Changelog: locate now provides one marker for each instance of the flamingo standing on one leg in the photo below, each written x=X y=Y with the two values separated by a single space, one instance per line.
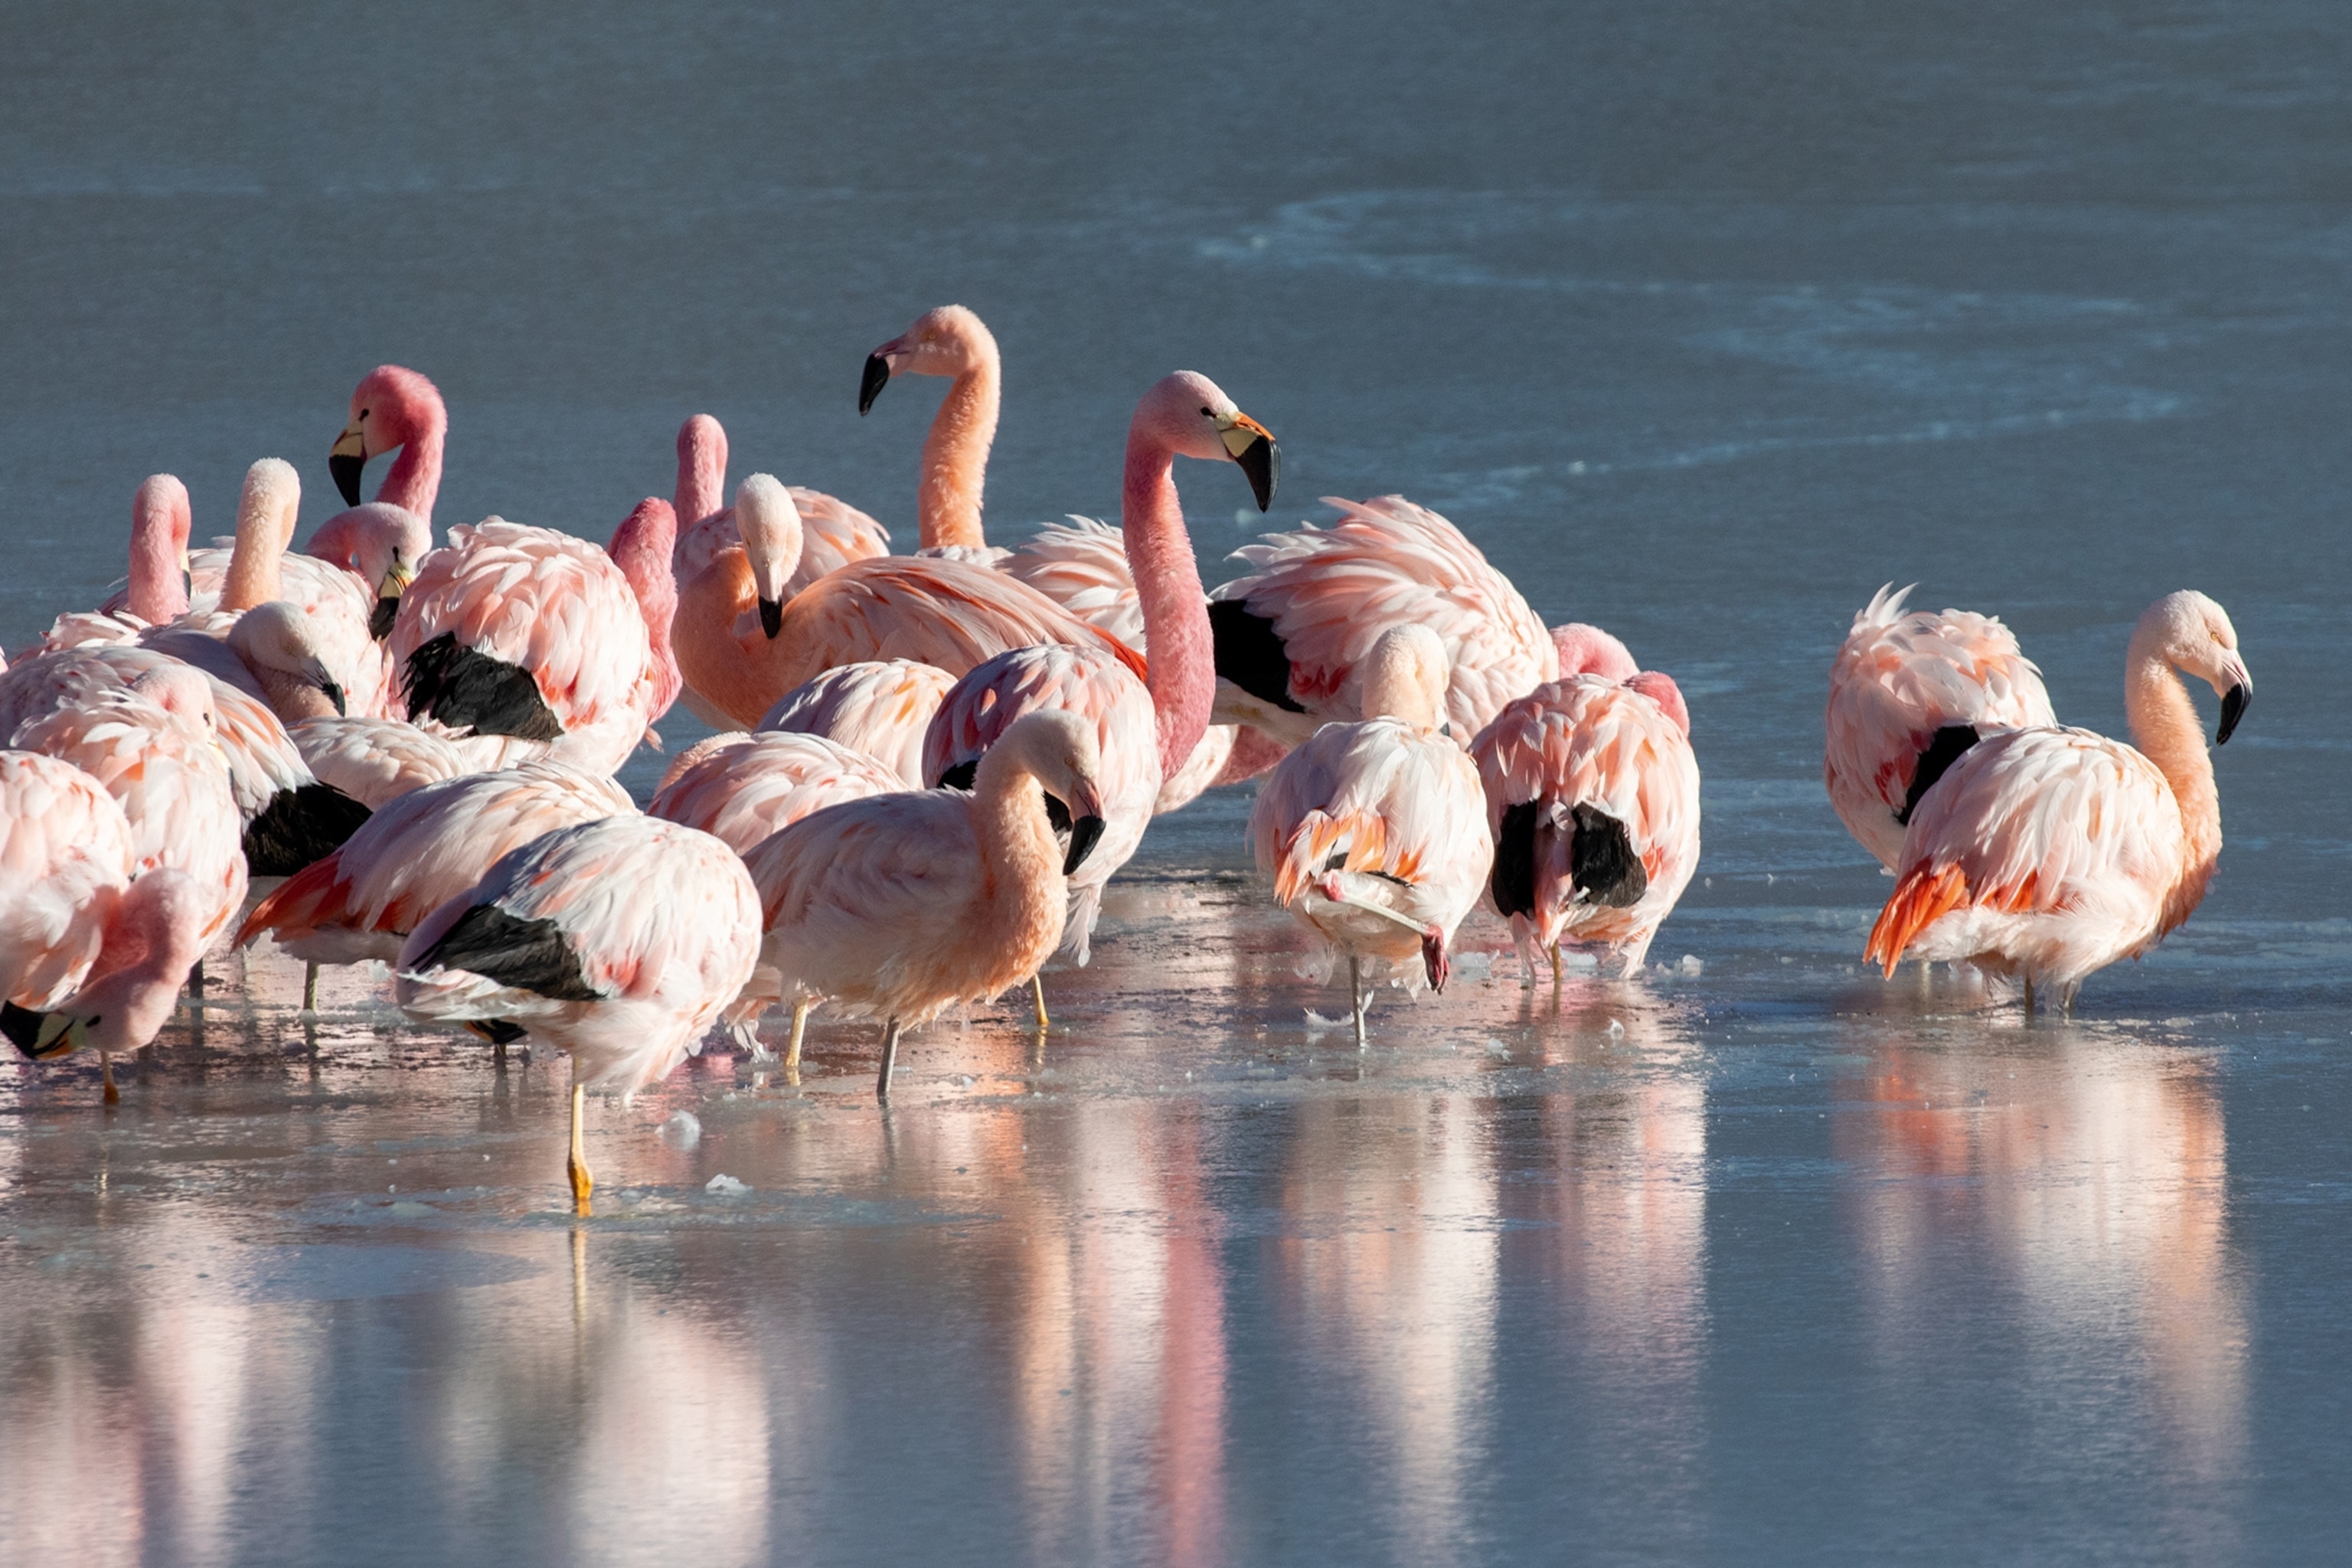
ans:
x=1375 y=831
x=1592 y=793
x=904 y=905
x=2051 y=853
x=1292 y=633
x=882 y=708
x=1909 y=693
x=157 y=591
x=618 y=942
x=1145 y=729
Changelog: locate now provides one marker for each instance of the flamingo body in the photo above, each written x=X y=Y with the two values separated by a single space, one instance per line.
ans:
x=374 y=759
x=66 y=858
x=741 y=788
x=881 y=707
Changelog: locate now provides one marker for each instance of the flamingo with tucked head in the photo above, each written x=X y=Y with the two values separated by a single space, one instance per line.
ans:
x=157 y=591
x=834 y=533
x=2048 y=853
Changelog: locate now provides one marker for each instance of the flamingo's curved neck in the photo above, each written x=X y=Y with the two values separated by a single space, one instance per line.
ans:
x=1183 y=673
x=955 y=458
x=158 y=593
x=415 y=477
x=701 y=471
x=1016 y=844
x=641 y=548
x=2165 y=728
x=253 y=575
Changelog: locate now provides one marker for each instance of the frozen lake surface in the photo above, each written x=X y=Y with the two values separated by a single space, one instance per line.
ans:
x=1703 y=323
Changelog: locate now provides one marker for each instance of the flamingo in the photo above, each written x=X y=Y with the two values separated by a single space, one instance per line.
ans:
x=2050 y=853
x=374 y=759
x=947 y=342
x=880 y=707
x=93 y=952
x=1592 y=793
x=741 y=788
x=904 y=905
x=151 y=747
x=618 y=942
x=157 y=591
x=834 y=533
x=531 y=634
x=393 y=407
x=377 y=543
x=1147 y=730
x=1375 y=831
x=1293 y=632
x=290 y=817
x=742 y=646
x=1909 y=693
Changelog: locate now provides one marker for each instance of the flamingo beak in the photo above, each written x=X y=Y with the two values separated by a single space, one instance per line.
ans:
x=771 y=616
x=347 y=456
x=876 y=377
x=2234 y=702
x=1085 y=832
x=396 y=579
x=1251 y=446
x=37 y=1036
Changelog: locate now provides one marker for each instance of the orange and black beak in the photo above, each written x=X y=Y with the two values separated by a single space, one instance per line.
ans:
x=1251 y=446
x=347 y=457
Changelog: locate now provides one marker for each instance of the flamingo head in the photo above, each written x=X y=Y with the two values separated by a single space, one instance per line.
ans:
x=948 y=341
x=161 y=508
x=387 y=542
x=2193 y=634
x=1660 y=688
x=154 y=938
x=391 y=406
x=1588 y=650
x=1059 y=749
x=281 y=637
x=771 y=526
x=1405 y=676
x=181 y=690
x=1188 y=414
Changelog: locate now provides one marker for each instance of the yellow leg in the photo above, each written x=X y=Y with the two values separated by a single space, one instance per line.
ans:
x=1037 y=990
x=1555 y=963
x=577 y=1166
x=309 y=988
x=793 y=1051
x=114 y=1095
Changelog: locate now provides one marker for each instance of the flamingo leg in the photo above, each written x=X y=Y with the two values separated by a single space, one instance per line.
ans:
x=576 y=1167
x=1555 y=966
x=1356 y=1000
x=1037 y=990
x=309 y=988
x=114 y=1095
x=793 y=1051
x=2029 y=993
x=196 y=978
x=890 y=1060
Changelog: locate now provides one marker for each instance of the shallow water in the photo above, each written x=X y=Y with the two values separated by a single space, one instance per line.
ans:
x=1703 y=324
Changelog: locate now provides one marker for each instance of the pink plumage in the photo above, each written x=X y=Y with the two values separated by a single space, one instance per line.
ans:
x=1081 y=566
x=881 y=707
x=834 y=532
x=1900 y=678
x=741 y=788
x=374 y=759
x=66 y=858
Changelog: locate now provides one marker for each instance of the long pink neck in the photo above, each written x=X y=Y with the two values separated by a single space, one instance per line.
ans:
x=641 y=548
x=955 y=456
x=415 y=477
x=1024 y=864
x=702 y=469
x=337 y=540
x=253 y=577
x=1183 y=668
x=2165 y=728
x=159 y=532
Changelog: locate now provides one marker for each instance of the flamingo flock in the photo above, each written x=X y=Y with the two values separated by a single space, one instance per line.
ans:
x=932 y=764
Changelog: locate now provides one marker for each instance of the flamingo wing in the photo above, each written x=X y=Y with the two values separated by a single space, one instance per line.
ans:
x=1082 y=566
x=880 y=707
x=747 y=790
x=66 y=855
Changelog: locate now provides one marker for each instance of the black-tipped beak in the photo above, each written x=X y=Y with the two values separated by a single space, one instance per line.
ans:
x=380 y=619
x=346 y=466
x=1083 y=834
x=1262 y=461
x=36 y=1036
x=871 y=385
x=335 y=695
x=771 y=617
x=2233 y=708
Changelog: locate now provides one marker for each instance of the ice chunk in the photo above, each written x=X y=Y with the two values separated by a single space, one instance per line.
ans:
x=726 y=1186
x=1689 y=964
x=1616 y=1030
x=683 y=1129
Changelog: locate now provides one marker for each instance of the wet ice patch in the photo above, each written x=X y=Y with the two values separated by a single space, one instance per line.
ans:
x=683 y=1129
x=726 y=1186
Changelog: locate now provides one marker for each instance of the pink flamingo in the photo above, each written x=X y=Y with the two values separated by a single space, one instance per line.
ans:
x=618 y=942
x=417 y=852
x=947 y=342
x=834 y=533
x=157 y=591
x=1593 y=797
x=151 y=747
x=641 y=548
x=393 y=407
x=1374 y=830
x=92 y=952
x=1292 y=633
x=742 y=646
x=374 y=759
x=290 y=818
x=378 y=544
x=2051 y=853
x=904 y=905
x=531 y=633
x=880 y=707
x=1909 y=692
x=741 y=788
x=1145 y=729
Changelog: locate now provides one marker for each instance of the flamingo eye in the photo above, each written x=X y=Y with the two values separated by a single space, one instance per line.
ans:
x=1205 y=413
